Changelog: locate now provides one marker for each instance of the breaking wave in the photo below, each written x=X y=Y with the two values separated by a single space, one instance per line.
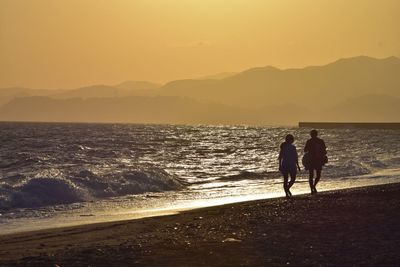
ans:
x=45 y=164
x=83 y=186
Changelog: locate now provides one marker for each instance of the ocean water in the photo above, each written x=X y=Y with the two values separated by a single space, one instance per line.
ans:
x=55 y=174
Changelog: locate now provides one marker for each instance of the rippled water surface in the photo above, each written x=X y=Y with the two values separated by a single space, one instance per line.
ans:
x=50 y=168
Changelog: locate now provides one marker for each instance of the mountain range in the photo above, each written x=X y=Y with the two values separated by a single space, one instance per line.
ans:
x=314 y=87
x=353 y=89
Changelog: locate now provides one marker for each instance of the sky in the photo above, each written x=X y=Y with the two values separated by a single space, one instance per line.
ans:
x=72 y=43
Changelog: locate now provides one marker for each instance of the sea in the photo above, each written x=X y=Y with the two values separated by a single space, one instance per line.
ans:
x=63 y=174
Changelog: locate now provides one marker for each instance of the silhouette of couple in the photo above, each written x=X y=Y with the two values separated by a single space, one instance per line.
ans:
x=313 y=160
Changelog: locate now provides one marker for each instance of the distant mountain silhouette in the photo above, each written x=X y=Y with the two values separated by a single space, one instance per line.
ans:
x=140 y=110
x=90 y=91
x=316 y=87
x=366 y=108
x=7 y=94
x=127 y=88
x=137 y=85
x=164 y=109
x=128 y=109
x=218 y=76
x=353 y=89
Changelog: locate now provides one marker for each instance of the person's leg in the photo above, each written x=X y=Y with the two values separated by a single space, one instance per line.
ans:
x=311 y=179
x=292 y=180
x=318 y=171
x=285 y=182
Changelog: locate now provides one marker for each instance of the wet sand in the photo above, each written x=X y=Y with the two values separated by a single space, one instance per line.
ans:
x=352 y=227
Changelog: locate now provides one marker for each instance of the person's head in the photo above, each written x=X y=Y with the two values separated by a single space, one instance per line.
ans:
x=289 y=138
x=314 y=133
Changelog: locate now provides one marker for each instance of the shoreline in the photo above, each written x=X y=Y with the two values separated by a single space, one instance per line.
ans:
x=176 y=208
x=356 y=226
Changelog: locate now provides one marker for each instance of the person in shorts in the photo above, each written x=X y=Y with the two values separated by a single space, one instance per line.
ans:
x=288 y=163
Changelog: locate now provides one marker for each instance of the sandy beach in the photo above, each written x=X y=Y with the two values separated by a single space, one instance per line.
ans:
x=352 y=227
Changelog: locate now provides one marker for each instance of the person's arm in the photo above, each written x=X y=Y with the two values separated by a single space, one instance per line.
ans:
x=280 y=157
x=323 y=147
x=297 y=160
x=307 y=147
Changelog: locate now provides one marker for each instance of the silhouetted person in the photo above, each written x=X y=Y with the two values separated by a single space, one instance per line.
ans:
x=316 y=149
x=288 y=163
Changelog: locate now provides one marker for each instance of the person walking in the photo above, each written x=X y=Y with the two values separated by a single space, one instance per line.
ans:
x=288 y=163
x=316 y=158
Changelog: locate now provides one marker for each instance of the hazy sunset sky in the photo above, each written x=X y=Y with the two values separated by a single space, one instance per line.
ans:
x=72 y=43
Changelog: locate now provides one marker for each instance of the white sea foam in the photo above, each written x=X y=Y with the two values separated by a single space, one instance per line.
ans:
x=56 y=164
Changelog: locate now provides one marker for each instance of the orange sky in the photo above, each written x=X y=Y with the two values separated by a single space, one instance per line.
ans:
x=72 y=43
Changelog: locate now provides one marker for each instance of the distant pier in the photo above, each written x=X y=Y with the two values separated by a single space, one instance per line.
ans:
x=351 y=125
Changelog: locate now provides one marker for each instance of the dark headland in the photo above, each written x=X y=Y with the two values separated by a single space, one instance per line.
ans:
x=352 y=227
x=349 y=125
